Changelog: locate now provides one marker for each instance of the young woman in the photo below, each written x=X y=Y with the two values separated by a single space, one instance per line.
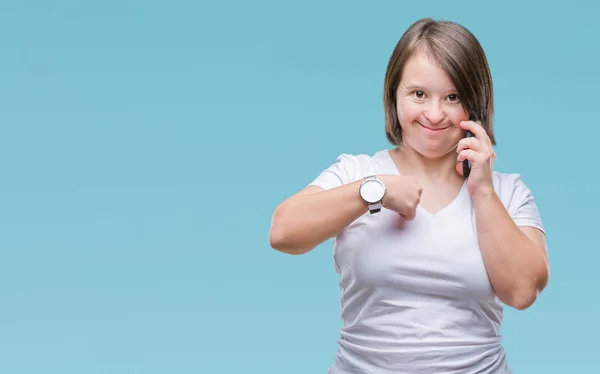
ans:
x=426 y=255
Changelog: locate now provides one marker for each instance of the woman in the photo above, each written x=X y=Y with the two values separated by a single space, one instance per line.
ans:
x=427 y=256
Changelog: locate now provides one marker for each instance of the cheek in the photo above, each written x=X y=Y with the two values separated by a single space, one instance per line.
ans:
x=457 y=114
x=407 y=111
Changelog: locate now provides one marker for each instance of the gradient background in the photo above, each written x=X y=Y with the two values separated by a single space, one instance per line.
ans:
x=145 y=144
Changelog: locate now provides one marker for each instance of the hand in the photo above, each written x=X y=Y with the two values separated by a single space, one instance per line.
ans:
x=480 y=151
x=403 y=194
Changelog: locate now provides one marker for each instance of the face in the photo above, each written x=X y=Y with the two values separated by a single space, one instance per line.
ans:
x=429 y=108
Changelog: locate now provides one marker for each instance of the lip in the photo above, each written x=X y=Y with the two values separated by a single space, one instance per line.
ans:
x=434 y=131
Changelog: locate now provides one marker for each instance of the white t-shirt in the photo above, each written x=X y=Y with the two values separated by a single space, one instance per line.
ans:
x=415 y=295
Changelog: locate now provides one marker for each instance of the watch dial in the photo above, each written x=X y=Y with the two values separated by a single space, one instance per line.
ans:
x=372 y=191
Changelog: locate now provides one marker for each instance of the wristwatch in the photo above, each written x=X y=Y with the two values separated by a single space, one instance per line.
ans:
x=372 y=191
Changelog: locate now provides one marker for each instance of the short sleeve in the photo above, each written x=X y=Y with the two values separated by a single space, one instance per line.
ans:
x=341 y=172
x=521 y=205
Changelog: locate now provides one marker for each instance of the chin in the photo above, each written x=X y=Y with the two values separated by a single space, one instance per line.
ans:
x=433 y=149
x=432 y=154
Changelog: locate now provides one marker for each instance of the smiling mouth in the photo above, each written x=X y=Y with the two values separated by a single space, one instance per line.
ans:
x=432 y=129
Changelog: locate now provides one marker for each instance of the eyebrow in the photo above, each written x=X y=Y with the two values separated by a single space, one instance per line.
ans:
x=413 y=86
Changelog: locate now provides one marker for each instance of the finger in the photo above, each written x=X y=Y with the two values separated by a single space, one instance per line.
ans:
x=471 y=155
x=469 y=143
x=410 y=215
x=459 y=168
x=477 y=130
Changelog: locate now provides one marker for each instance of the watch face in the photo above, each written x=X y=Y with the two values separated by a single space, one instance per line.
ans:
x=372 y=191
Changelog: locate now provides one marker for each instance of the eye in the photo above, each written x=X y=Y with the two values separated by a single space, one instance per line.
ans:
x=453 y=97
x=419 y=94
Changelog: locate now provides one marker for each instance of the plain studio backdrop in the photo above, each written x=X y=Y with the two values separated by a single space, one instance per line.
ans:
x=145 y=144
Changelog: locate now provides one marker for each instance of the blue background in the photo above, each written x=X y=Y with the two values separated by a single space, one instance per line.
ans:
x=145 y=144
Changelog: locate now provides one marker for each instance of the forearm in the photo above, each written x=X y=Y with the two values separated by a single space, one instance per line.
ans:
x=516 y=265
x=307 y=220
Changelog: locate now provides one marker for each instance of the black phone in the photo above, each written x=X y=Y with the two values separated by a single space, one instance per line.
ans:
x=467 y=163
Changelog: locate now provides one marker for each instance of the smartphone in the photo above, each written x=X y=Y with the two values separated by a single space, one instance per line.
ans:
x=467 y=163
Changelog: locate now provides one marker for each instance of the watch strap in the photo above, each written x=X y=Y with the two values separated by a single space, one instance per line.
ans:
x=374 y=208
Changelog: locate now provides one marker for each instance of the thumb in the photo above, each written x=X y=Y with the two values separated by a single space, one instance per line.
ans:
x=459 y=168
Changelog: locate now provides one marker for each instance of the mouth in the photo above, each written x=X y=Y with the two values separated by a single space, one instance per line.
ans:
x=434 y=130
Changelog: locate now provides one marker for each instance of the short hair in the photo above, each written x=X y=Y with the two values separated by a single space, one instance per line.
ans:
x=456 y=51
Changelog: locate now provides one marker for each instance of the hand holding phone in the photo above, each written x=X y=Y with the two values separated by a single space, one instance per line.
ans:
x=467 y=163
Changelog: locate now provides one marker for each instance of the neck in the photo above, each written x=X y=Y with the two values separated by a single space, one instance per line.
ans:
x=433 y=170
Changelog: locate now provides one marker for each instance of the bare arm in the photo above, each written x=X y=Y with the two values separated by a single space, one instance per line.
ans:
x=314 y=215
x=515 y=257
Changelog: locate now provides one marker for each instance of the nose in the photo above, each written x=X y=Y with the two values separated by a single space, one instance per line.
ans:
x=434 y=113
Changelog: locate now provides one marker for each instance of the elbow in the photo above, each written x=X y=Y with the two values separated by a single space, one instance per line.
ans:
x=277 y=235
x=280 y=241
x=525 y=295
x=277 y=239
x=522 y=300
x=281 y=238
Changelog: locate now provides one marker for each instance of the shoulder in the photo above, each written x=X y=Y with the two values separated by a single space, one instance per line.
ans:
x=503 y=180
x=511 y=189
x=518 y=200
x=360 y=165
x=350 y=167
